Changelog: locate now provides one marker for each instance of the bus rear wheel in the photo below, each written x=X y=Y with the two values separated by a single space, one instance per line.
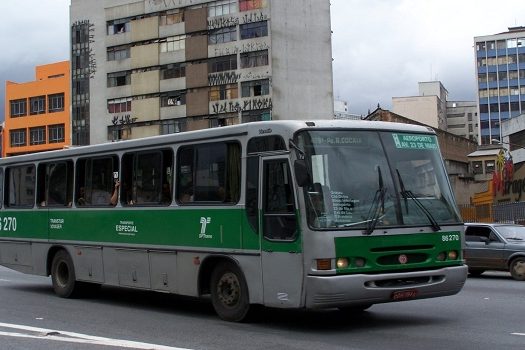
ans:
x=63 y=275
x=229 y=292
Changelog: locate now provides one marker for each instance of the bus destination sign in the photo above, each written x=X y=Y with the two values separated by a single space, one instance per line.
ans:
x=406 y=141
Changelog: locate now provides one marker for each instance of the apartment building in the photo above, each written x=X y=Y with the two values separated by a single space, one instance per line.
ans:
x=143 y=68
x=37 y=114
x=500 y=74
x=433 y=108
x=462 y=119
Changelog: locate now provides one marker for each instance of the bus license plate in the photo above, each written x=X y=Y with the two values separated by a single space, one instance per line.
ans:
x=404 y=294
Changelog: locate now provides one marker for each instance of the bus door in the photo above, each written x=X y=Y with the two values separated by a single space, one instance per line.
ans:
x=281 y=251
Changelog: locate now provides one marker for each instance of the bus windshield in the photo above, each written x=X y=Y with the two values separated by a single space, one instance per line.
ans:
x=368 y=179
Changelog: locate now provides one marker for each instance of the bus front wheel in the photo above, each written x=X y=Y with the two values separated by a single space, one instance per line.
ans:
x=229 y=292
x=63 y=275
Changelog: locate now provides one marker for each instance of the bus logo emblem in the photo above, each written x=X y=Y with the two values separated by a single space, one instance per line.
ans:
x=204 y=222
x=403 y=259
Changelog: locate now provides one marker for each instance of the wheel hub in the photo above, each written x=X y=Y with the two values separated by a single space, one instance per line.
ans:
x=519 y=268
x=228 y=289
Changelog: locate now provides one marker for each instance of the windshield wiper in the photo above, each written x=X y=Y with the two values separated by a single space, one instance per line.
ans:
x=406 y=194
x=377 y=208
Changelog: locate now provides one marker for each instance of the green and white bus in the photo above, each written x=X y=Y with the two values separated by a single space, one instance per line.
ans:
x=288 y=214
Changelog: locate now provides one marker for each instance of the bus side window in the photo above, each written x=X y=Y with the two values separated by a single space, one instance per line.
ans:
x=279 y=201
x=218 y=166
x=1 y=187
x=95 y=181
x=20 y=184
x=252 y=192
x=146 y=178
x=55 y=184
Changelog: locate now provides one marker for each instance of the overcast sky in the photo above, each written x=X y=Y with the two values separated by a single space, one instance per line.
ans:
x=381 y=48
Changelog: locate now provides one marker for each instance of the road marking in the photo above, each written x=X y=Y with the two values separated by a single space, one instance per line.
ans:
x=3 y=280
x=523 y=334
x=71 y=337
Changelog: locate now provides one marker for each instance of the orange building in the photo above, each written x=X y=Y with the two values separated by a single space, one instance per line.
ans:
x=37 y=113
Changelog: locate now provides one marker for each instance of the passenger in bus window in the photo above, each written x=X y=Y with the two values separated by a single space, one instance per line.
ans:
x=166 y=194
x=81 y=196
x=114 y=196
x=186 y=195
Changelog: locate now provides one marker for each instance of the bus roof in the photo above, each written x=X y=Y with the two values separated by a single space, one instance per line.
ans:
x=248 y=129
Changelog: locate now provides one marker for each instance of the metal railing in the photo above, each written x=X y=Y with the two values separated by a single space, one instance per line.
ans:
x=505 y=213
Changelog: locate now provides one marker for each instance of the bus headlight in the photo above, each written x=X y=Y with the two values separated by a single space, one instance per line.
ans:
x=342 y=263
x=441 y=256
x=452 y=255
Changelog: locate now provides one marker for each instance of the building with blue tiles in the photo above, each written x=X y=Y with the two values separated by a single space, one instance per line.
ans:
x=500 y=71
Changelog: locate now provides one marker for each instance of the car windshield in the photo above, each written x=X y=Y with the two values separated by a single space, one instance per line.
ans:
x=512 y=233
x=367 y=179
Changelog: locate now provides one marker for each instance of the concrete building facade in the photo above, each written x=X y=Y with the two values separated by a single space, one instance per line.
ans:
x=462 y=119
x=150 y=67
x=513 y=137
x=433 y=108
x=500 y=74
x=37 y=116
x=429 y=108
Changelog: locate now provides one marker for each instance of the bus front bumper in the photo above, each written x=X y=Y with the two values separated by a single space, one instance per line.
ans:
x=361 y=289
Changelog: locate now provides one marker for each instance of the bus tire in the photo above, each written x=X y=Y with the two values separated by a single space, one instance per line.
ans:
x=517 y=269
x=229 y=292
x=63 y=275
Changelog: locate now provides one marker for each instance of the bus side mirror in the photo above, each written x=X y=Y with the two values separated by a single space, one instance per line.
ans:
x=302 y=176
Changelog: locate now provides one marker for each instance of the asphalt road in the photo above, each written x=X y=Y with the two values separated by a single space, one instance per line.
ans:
x=488 y=314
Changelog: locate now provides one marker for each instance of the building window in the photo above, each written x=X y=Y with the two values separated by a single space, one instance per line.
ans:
x=18 y=108
x=172 y=71
x=253 y=30
x=119 y=26
x=175 y=98
x=119 y=79
x=38 y=105
x=171 y=17
x=477 y=167
x=224 y=92
x=256 y=115
x=17 y=137
x=247 y=5
x=37 y=136
x=56 y=102
x=222 y=35
x=56 y=133
x=255 y=88
x=173 y=126
x=254 y=59
x=173 y=43
x=223 y=7
x=489 y=166
x=118 y=53
x=222 y=63
x=119 y=105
